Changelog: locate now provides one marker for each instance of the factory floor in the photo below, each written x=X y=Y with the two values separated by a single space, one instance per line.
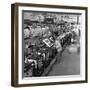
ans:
x=67 y=64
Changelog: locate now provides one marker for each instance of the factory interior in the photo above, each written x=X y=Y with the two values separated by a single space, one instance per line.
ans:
x=51 y=44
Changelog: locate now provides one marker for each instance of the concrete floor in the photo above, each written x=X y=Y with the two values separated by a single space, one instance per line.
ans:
x=67 y=64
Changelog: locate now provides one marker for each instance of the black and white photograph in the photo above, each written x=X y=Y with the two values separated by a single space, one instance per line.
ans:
x=49 y=44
